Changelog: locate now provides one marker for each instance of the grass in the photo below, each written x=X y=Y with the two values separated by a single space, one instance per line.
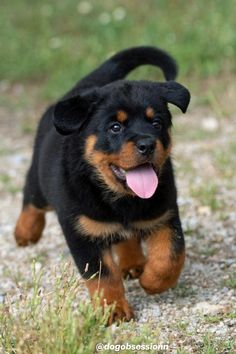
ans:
x=208 y=195
x=218 y=318
x=230 y=282
x=212 y=345
x=28 y=331
x=58 y=321
x=182 y=325
x=232 y=315
x=207 y=342
x=52 y=44
x=224 y=160
x=7 y=184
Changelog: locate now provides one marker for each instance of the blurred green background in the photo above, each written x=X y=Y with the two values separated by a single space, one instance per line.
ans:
x=51 y=44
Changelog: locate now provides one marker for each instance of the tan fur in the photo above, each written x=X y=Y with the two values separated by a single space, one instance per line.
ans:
x=122 y=116
x=111 y=291
x=149 y=113
x=30 y=225
x=130 y=257
x=127 y=158
x=148 y=225
x=97 y=229
x=162 y=269
x=93 y=228
x=161 y=154
x=89 y=145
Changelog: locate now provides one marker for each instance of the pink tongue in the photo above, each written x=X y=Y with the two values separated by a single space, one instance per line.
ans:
x=142 y=180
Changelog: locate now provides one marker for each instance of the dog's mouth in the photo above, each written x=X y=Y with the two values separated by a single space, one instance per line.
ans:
x=142 y=179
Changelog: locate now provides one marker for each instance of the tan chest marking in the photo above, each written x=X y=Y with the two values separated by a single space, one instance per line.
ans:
x=94 y=228
x=146 y=225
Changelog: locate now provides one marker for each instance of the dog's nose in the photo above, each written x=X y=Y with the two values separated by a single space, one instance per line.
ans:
x=146 y=146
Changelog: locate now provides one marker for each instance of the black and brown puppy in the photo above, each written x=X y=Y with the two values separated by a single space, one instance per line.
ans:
x=102 y=162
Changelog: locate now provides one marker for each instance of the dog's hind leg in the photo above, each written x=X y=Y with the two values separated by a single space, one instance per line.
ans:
x=30 y=225
x=31 y=221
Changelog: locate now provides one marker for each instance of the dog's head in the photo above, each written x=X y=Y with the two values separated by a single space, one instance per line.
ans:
x=126 y=131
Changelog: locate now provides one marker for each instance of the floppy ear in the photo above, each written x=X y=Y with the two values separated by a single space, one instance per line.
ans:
x=173 y=92
x=70 y=114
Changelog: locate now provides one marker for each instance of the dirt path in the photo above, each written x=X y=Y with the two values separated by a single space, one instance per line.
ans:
x=202 y=306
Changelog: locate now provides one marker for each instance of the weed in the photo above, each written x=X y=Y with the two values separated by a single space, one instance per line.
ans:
x=59 y=321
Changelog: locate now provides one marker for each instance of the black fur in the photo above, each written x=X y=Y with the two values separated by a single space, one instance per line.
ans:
x=62 y=178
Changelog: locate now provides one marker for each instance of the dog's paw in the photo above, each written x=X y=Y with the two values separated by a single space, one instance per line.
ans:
x=120 y=312
x=133 y=272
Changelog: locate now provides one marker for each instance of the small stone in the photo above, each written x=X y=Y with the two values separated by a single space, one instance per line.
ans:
x=210 y=124
x=204 y=210
x=151 y=312
x=210 y=309
x=221 y=331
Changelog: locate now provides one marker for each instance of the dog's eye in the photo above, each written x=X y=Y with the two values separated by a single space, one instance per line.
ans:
x=116 y=128
x=157 y=124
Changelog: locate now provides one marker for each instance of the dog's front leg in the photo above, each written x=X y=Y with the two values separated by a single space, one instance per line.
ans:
x=103 y=277
x=110 y=287
x=165 y=259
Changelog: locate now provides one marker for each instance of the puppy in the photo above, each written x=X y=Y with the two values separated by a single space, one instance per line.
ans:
x=102 y=161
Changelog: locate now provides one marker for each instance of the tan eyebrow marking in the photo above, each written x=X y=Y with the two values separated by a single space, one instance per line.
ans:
x=150 y=113
x=121 y=116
